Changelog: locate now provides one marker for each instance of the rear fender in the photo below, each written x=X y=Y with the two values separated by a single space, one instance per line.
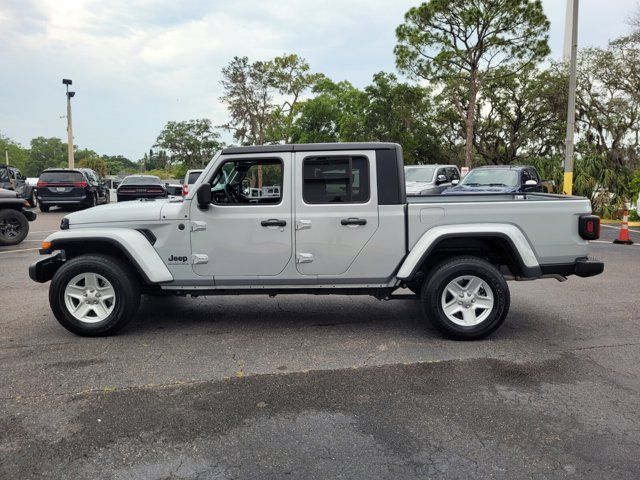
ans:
x=521 y=247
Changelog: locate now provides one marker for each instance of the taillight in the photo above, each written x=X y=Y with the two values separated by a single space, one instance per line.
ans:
x=589 y=227
x=42 y=184
x=80 y=184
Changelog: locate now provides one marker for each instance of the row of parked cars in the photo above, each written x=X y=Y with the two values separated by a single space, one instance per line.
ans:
x=445 y=179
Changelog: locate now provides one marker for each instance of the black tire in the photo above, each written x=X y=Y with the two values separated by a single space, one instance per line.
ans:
x=33 y=200
x=93 y=202
x=435 y=285
x=121 y=277
x=44 y=208
x=14 y=227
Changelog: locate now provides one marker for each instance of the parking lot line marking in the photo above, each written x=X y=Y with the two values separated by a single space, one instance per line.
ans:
x=618 y=228
x=611 y=243
x=20 y=250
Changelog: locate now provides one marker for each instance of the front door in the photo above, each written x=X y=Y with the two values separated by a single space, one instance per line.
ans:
x=336 y=210
x=246 y=231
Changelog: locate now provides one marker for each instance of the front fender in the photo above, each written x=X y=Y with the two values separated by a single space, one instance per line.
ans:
x=133 y=245
x=512 y=234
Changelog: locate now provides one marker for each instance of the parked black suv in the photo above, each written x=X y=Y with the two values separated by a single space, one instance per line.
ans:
x=12 y=179
x=79 y=187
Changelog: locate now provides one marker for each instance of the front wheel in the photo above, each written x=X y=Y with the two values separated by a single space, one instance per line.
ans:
x=466 y=298
x=33 y=199
x=94 y=295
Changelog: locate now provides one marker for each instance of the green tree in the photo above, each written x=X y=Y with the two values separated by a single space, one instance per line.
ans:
x=192 y=142
x=250 y=91
x=402 y=113
x=522 y=115
x=97 y=164
x=45 y=153
x=467 y=42
x=336 y=113
x=18 y=155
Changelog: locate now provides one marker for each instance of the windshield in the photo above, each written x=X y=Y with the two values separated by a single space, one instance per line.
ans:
x=61 y=177
x=142 y=180
x=419 y=174
x=491 y=177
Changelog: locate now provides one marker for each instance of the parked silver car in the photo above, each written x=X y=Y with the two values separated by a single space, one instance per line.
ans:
x=430 y=179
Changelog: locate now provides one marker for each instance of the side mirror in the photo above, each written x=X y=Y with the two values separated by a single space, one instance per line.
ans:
x=455 y=181
x=441 y=179
x=204 y=196
x=530 y=183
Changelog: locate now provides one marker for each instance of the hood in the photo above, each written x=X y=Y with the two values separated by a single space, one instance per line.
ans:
x=416 y=187
x=480 y=189
x=132 y=211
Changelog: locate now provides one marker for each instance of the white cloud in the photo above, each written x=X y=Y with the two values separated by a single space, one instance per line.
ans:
x=138 y=64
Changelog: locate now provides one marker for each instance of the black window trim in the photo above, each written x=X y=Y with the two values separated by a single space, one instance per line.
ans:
x=280 y=160
x=349 y=185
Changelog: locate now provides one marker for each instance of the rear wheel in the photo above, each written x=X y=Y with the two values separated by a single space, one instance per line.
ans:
x=466 y=298
x=44 y=208
x=94 y=295
x=14 y=227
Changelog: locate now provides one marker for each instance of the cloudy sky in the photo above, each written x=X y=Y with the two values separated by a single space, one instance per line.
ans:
x=136 y=64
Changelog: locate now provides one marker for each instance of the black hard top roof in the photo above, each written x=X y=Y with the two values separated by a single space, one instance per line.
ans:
x=311 y=147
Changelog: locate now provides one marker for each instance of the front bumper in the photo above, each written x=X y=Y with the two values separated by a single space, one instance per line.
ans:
x=43 y=270
x=582 y=267
x=30 y=214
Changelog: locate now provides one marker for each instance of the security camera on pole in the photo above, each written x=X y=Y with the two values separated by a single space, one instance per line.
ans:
x=67 y=82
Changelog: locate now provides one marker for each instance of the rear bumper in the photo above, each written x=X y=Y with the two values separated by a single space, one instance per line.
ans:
x=59 y=201
x=582 y=267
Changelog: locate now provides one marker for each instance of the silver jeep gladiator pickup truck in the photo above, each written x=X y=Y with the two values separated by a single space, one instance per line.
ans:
x=314 y=219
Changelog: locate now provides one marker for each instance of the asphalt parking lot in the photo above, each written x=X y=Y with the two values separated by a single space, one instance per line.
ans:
x=324 y=387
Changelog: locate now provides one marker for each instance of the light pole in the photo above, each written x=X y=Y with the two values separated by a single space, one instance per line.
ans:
x=572 y=23
x=67 y=82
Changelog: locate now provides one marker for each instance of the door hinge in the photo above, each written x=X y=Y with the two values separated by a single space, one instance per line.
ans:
x=304 y=257
x=200 y=258
x=198 y=226
x=303 y=224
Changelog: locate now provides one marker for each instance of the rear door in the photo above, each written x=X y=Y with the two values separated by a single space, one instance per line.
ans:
x=336 y=210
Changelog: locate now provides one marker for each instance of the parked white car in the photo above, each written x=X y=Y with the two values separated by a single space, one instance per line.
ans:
x=430 y=179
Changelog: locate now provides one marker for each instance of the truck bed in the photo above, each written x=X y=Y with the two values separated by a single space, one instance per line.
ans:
x=548 y=221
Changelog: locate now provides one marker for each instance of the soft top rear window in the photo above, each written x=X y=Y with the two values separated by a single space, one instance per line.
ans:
x=61 y=176
x=138 y=180
x=193 y=176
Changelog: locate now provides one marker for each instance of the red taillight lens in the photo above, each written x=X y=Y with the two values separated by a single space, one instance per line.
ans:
x=42 y=184
x=80 y=184
x=589 y=227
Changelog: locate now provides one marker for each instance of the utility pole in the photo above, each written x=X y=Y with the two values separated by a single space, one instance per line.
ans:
x=572 y=22
x=67 y=82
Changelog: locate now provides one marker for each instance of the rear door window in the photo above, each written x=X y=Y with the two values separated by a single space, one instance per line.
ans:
x=335 y=179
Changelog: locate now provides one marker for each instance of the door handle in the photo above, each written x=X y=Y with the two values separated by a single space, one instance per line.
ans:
x=273 y=222
x=353 y=221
